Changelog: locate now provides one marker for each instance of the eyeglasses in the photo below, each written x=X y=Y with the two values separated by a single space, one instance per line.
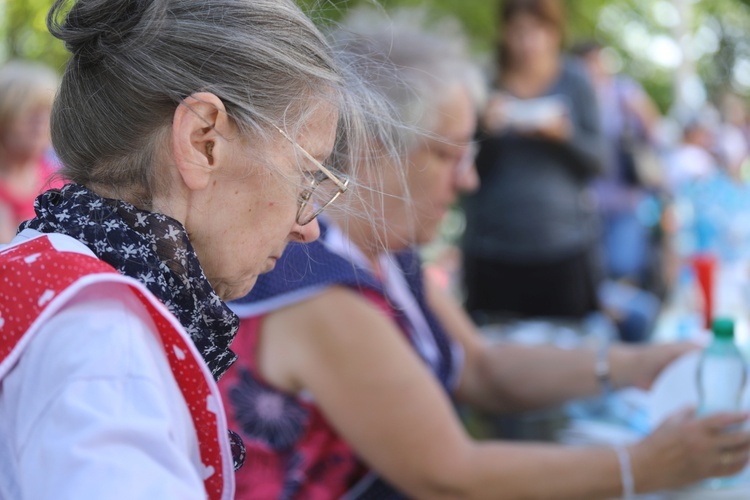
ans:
x=325 y=186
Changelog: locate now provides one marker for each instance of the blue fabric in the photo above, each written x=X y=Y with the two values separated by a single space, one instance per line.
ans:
x=626 y=245
x=306 y=267
x=411 y=265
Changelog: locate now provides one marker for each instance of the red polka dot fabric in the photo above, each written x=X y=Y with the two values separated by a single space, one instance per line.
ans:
x=34 y=273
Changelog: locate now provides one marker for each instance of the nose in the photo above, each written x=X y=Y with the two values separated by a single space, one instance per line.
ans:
x=467 y=179
x=307 y=233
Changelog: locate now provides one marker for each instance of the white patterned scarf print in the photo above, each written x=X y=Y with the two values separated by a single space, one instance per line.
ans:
x=152 y=248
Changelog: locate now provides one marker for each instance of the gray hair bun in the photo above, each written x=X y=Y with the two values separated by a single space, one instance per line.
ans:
x=93 y=30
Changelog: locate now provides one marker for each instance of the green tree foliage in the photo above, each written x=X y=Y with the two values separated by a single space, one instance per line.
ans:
x=23 y=33
x=479 y=17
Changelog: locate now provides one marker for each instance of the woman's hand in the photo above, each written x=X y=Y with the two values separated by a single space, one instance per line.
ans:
x=684 y=450
x=638 y=366
x=500 y=115
x=558 y=129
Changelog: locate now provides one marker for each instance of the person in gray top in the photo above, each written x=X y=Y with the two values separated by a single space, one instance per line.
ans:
x=531 y=229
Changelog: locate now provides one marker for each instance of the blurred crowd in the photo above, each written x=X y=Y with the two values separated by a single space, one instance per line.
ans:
x=564 y=191
x=590 y=198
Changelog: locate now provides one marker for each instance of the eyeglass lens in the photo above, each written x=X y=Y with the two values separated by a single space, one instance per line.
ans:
x=321 y=193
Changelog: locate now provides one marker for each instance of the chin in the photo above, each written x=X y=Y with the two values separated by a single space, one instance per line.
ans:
x=235 y=291
x=270 y=266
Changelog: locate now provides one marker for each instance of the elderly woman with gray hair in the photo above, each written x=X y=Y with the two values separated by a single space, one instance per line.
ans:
x=197 y=136
x=348 y=355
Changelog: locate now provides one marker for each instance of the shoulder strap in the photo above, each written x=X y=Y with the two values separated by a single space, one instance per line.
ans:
x=37 y=280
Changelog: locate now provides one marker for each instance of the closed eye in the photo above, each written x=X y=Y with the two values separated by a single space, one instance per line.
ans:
x=313 y=178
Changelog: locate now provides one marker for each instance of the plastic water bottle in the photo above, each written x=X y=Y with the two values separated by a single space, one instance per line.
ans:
x=721 y=379
x=721 y=371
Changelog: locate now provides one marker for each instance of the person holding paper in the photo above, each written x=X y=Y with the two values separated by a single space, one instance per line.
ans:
x=531 y=234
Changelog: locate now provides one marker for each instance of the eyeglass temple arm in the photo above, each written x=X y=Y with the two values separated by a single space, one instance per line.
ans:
x=341 y=185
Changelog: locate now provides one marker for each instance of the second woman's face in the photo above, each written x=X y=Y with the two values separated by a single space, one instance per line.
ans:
x=251 y=214
x=437 y=172
x=529 y=38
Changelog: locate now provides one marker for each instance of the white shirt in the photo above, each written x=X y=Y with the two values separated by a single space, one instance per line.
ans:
x=92 y=410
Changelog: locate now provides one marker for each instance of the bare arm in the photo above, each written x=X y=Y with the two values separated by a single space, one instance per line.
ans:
x=491 y=375
x=381 y=398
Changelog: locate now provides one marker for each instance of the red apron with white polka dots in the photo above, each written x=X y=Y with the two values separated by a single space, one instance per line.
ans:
x=35 y=282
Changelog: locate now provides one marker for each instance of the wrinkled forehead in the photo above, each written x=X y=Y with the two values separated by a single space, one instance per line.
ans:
x=456 y=116
x=316 y=129
x=303 y=147
x=319 y=133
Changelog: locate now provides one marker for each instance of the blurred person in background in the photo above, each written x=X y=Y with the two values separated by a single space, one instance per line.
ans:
x=191 y=168
x=349 y=356
x=530 y=247
x=694 y=158
x=711 y=198
x=625 y=196
x=687 y=163
x=629 y=119
x=26 y=93
x=732 y=137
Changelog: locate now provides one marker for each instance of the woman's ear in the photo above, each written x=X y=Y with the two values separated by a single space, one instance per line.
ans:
x=199 y=129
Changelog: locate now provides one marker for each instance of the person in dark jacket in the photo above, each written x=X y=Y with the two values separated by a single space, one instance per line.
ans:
x=531 y=229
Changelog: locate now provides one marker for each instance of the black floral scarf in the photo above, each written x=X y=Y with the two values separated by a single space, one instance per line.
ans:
x=152 y=248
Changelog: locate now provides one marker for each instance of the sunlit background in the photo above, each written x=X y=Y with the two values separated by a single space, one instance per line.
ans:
x=683 y=51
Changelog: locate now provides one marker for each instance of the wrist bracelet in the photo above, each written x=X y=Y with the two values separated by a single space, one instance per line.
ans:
x=626 y=472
